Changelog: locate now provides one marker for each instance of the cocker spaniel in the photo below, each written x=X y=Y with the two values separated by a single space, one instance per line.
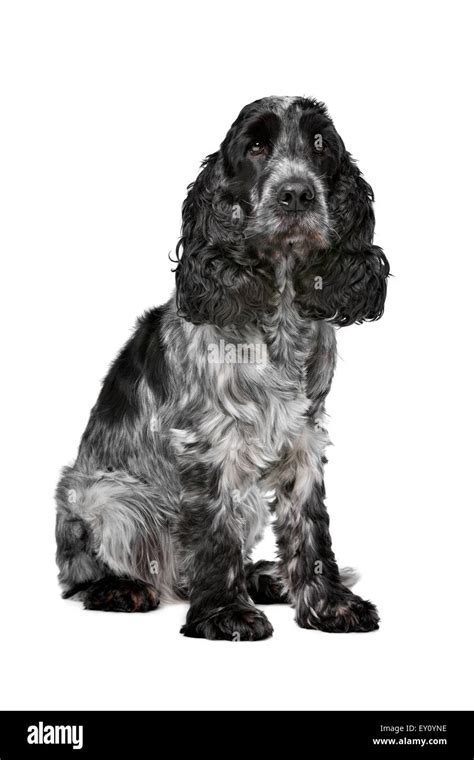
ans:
x=211 y=418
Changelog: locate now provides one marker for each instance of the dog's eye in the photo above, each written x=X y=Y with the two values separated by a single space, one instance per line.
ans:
x=257 y=148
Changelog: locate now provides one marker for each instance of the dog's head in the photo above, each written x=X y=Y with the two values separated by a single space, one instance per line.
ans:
x=282 y=185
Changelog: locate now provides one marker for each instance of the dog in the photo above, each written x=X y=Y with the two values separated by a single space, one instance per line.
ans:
x=211 y=419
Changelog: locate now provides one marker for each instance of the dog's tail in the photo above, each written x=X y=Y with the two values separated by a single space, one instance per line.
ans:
x=349 y=576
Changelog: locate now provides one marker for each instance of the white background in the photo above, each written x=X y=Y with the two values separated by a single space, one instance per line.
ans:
x=107 y=110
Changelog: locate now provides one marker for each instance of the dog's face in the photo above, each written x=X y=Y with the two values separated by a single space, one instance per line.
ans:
x=282 y=185
x=280 y=159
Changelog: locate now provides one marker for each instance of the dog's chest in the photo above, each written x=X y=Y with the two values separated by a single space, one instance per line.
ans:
x=258 y=395
x=256 y=413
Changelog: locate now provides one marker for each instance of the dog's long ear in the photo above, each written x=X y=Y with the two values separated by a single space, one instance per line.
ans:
x=218 y=281
x=207 y=209
x=351 y=206
x=343 y=287
x=348 y=283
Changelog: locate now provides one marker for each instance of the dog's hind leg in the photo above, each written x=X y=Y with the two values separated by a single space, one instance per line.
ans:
x=113 y=546
x=264 y=584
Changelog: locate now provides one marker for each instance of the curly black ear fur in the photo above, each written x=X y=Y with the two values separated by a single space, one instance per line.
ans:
x=343 y=287
x=218 y=279
x=346 y=284
x=350 y=206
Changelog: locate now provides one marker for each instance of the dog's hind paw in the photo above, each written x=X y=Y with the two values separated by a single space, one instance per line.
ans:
x=113 y=594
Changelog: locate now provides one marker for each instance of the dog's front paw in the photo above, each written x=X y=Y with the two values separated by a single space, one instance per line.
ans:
x=341 y=613
x=233 y=623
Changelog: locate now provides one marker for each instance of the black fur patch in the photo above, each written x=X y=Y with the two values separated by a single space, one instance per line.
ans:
x=353 y=286
x=264 y=585
x=112 y=594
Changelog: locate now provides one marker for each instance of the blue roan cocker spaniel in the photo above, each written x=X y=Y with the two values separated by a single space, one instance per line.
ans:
x=212 y=416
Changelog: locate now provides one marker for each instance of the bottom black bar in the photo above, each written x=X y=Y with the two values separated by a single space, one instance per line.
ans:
x=141 y=734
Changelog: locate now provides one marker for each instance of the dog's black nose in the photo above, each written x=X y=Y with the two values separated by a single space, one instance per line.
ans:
x=295 y=196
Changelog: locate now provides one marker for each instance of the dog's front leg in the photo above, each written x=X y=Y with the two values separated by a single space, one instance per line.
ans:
x=212 y=537
x=308 y=565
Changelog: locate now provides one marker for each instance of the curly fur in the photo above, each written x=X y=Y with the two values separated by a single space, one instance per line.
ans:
x=354 y=285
